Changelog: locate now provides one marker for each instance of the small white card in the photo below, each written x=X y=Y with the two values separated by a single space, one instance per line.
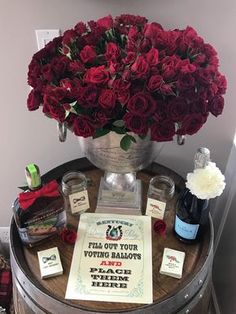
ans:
x=50 y=263
x=79 y=201
x=172 y=263
x=155 y=208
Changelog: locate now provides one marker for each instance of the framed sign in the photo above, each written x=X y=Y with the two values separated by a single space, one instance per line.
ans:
x=112 y=259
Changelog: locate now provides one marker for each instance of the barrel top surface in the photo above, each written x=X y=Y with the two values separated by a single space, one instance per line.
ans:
x=164 y=287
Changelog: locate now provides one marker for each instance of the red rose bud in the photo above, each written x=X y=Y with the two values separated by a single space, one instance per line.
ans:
x=160 y=227
x=105 y=22
x=68 y=236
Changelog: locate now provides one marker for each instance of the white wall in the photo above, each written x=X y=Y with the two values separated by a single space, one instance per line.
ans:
x=30 y=137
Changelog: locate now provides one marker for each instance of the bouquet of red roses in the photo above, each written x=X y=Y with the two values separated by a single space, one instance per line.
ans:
x=127 y=75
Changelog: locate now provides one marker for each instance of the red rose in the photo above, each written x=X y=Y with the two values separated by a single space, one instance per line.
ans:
x=47 y=72
x=133 y=34
x=80 y=28
x=59 y=65
x=68 y=37
x=89 y=96
x=58 y=92
x=154 y=82
x=216 y=105
x=199 y=106
x=53 y=109
x=88 y=54
x=83 y=127
x=209 y=50
x=152 y=56
x=185 y=81
x=34 y=73
x=170 y=67
x=107 y=99
x=119 y=84
x=191 y=124
x=141 y=104
x=112 y=51
x=130 y=57
x=73 y=88
x=135 y=123
x=186 y=67
x=211 y=91
x=178 y=108
x=166 y=89
x=76 y=67
x=151 y=30
x=131 y=46
x=204 y=76
x=126 y=75
x=221 y=83
x=43 y=53
x=168 y=40
x=114 y=67
x=199 y=60
x=34 y=100
x=162 y=132
x=100 y=118
x=169 y=72
x=161 y=112
x=105 y=22
x=160 y=227
x=68 y=236
x=145 y=45
x=123 y=96
x=140 y=67
x=186 y=39
x=129 y=19
x=96 y=75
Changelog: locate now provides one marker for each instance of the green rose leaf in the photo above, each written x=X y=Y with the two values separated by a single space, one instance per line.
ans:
x=132 y=138
x=119 y=123
x=126 y=142
x=100 y=132
x=118 y=130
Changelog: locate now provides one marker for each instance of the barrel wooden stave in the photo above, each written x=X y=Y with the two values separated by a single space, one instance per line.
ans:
x=170 y=295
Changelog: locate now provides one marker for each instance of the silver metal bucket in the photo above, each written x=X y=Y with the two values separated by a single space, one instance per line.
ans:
x=105 y=153
x=119 y=187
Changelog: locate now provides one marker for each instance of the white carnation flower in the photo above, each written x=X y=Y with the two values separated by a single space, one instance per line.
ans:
x=206 y=183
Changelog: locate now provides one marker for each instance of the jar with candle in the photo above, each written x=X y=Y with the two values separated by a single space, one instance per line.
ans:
x=74 y=188
x=160 y=192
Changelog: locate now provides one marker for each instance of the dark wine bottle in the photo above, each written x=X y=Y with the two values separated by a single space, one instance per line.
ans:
x=192 y=212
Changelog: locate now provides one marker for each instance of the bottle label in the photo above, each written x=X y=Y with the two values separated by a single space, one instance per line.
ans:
x=79 y=201
x=43 y=226
x=185 y=230
x=155 y=208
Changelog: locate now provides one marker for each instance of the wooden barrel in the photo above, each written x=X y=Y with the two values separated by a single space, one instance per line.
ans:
x=191 y=294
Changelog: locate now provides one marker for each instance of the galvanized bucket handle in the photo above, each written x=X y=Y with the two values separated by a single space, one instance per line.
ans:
x=181 y=139
x=62 y=131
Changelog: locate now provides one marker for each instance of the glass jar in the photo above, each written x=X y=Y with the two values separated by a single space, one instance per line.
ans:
x=74 y=188
x=160 y=192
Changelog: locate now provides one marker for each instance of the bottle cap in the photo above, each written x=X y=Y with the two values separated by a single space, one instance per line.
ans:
x=33 y=177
